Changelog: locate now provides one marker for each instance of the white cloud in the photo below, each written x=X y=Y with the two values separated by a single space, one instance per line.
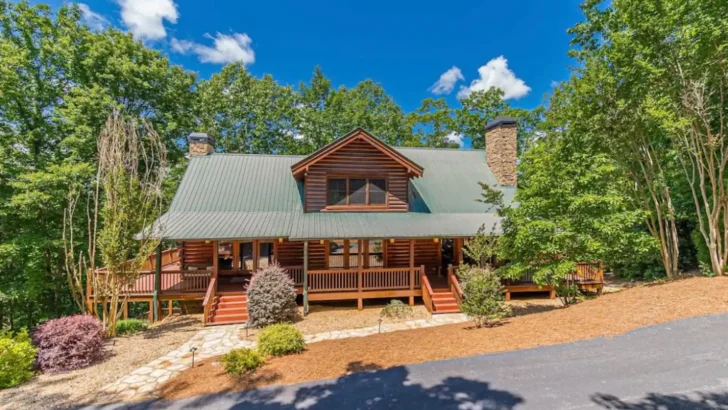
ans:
x=295 y=134
x=94 y=20
x=455 y=137
x=447 y=81
x=226 y=49
x=145 y=18
x=497 y=74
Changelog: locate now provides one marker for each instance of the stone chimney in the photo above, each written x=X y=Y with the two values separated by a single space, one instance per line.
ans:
x=200 y=144
x=501 y=136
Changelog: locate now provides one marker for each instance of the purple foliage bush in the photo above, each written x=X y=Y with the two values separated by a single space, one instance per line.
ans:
x=271 y=297
x=68 y=343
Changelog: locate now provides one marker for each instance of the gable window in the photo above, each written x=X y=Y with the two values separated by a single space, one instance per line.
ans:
x=356 y=192
x=337 y=191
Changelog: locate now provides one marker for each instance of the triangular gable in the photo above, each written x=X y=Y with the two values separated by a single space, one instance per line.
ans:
x=299 y=168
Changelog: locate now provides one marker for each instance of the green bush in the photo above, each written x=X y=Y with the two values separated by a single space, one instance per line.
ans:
x=242 y=361
x=703 y=253
x=131 y=326
x=17 y=355
x=280 y=340
x=397 y=309
x=483 y=298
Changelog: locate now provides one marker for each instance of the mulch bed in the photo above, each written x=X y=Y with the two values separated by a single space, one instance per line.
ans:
x=606 y=316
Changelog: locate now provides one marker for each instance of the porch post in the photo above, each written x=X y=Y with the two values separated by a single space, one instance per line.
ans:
x=305 y=278
x=412 y=273
x=157 y=281
x=215 y=261
x=359 y=266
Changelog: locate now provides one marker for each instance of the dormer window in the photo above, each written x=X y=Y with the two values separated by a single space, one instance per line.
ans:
x=355 y=192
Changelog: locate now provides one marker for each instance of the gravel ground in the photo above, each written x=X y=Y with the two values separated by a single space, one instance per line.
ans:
x=123 y=354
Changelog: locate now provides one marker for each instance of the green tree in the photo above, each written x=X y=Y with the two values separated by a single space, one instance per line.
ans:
x=58 y=82
x=246 y=114
x=483 y=296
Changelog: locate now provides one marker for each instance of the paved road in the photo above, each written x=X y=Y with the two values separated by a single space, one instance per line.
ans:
x=679 y=365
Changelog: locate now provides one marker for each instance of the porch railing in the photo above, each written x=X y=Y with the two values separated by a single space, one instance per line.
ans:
x=586 y=272
x=295 y=273
x=348 y=280
x=172 y=282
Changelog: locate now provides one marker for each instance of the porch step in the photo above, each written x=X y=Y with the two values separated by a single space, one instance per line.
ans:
x=229 y=309
x=444 y=302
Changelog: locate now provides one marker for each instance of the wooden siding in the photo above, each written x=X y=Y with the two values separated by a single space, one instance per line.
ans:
x=316 y=255
x=398 y=254
x=358 y=158
x=290 y=253
x=427 y=252
x=196 y=253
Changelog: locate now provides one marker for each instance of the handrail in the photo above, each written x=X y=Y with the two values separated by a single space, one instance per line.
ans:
x=455 y=288
x=426 y=290
x=209 y=298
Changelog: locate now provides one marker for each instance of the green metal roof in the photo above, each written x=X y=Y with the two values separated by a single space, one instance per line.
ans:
x=235 y=196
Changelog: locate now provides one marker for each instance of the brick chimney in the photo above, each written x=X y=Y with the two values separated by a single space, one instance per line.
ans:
x=501 y=136
x=200 y=144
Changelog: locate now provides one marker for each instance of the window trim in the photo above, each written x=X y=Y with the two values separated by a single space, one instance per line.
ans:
x=349 y=206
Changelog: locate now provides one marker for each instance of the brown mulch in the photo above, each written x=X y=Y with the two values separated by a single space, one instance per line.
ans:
x=607 y=316
x=121 y=355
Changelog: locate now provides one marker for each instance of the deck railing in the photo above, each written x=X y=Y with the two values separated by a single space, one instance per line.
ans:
x=349 y=280
x=455 y=288
x=172 y=282
x=586 y=272
x=426 y=290
x=295 y=273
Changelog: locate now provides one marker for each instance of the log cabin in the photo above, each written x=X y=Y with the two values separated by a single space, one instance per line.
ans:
x=355 y=220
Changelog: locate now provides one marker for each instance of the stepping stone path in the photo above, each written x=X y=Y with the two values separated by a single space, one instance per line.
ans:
x=145 y=382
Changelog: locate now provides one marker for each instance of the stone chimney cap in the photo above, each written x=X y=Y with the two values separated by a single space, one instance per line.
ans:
x=200 y=137
x=500 y=121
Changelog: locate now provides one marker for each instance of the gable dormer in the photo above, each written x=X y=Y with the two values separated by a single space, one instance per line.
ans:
x=356 y=173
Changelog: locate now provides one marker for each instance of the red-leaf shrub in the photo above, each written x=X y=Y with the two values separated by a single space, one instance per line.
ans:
x=68 y=343
x=271 y=297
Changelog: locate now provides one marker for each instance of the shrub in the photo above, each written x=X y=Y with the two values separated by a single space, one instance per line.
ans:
x=68 y=343
x=280 y=340
x=242 y=361
x=271 y=297
x=131 y=326
x=397 y=309
x=483 y=298
x=17 y=355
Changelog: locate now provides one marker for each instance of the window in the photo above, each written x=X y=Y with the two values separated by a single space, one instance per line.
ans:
x=225 y=255
x=377 y=191
x=336 y=254
x=354 y=254
x=246 y=256
x=356 y=192
x=376 y=254
x=337 y=191
x=265 y=255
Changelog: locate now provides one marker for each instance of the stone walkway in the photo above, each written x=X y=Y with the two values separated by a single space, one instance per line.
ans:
x=144 y=382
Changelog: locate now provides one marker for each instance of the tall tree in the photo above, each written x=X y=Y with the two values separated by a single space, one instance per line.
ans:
x=653 y=74
x=247 y=114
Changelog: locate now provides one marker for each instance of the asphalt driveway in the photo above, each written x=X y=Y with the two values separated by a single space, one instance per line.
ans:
x=679 y=365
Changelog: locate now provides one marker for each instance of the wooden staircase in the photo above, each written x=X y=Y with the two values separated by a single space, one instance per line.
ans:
x=228 y=309
x=443 y=301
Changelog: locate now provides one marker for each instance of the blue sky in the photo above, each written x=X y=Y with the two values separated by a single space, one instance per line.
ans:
x=519 y=45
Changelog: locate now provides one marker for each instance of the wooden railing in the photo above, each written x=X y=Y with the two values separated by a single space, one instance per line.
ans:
x=295 y=273
x=348 y=280
x=209 y=299
x=385 y=278
x=426 y=290
x=455 y=288
x=589 y=272
x=169 y=257
x=333 y=280
x=172 y=282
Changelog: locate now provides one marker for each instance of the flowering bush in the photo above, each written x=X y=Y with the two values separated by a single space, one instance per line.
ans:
x=16 y=359
x=271 y=297
x=68 y=343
